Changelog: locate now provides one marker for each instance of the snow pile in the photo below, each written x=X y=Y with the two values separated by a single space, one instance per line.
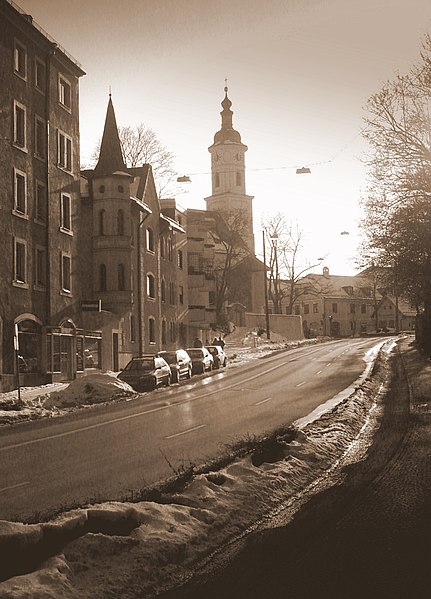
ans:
x=88 y=390
x=137 y=549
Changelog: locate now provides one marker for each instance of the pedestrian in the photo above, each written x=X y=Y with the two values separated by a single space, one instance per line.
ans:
x=197 y=342
x=221 y=342
x=215 y=341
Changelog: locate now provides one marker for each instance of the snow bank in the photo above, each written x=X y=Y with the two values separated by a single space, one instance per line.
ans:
x=89 y=389
x=130 y=550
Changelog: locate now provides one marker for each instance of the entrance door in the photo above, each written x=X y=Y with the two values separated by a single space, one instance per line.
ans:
x=115 y=362
x=66 y=356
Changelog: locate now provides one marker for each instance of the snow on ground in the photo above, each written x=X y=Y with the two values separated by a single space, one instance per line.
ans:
x=137 y=549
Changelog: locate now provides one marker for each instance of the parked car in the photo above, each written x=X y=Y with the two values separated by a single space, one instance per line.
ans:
x=180 y=364
x=218 y=354
x=202 y=360
x=146 y=372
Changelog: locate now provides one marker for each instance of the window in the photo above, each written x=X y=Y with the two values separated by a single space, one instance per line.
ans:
x=102 y=222
x=120 y=222
x=40 y=204
x=306 y=309
x=40 y=138
x=172 y=331
x=102 y=278
x=20 y=261
x=20 y=193
x=66 y=213
x=180 y=259
x=19 y=126
x=170 y=249
x=163 y=291
x=181 y=294
x=315 y=308
x=217 y=180
x=150 y=239
x=132 y=328
x=121 y=277
x=238 y=179
x=164 y=332
x=151 y=287
x=352 y=308
x=64 y=93
x=151 y=330
x=39 y=75
x=172 y=293
x=64 y=151
x=66 y=270
x=334 y=308
x=20 y=59
x=297 y=309
x=162 y=247
x=40 y=267
x=363 y=308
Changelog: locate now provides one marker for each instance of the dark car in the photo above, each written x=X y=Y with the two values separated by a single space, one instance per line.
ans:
x=202 y=360
x=218 y=354
x=146 y=372
x=180 y=364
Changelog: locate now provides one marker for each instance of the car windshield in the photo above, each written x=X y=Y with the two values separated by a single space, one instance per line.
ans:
x=146 y=364
x=213 y=350
x=195 y=353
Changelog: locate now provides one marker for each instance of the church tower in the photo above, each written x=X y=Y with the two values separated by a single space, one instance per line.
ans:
x=228 y=174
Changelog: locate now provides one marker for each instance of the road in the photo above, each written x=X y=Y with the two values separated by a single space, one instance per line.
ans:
x=105 y=452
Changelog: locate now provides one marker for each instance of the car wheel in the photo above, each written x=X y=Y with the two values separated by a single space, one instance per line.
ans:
x=154 y=384
x=168 y=381
x=189 y=373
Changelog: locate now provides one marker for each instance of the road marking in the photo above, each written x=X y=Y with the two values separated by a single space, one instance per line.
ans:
x=263 y=401
x=318 y=372
x=300 y=384
x=14 y=486
x=189 y=430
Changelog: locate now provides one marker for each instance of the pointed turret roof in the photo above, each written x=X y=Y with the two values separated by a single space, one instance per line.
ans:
x=227 y=132
x=110 y=155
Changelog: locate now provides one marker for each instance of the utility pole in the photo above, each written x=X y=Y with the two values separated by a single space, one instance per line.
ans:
x=265 y=287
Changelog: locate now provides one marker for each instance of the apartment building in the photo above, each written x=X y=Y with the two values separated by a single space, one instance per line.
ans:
x=40 y=205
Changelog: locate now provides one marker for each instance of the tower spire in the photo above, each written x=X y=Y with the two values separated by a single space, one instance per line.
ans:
x=227 y=132
x=110 y=155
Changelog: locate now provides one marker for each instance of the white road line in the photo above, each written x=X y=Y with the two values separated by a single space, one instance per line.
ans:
x=263 y=401
x=300 y=384
x=14 y=486
x=189 y=430
x=318 y=372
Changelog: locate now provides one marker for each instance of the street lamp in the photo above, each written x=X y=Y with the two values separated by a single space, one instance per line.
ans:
x=274 y=242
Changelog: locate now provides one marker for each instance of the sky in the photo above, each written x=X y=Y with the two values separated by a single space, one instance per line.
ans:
x=299 y=74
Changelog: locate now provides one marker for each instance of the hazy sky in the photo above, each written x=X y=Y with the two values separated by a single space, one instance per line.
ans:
x=299 y=75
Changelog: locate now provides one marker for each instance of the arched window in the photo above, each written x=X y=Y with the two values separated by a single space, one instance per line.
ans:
x=163 y=291
x=151 y=287
x=102 y=222
x=121 y=277
x=120 y=222
x=150 y=239
x=102 y=277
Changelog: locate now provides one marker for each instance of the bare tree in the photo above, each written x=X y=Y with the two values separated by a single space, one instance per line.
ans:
x=398 y=212
x=283 y=244
x=230 y=250
x=140 y=145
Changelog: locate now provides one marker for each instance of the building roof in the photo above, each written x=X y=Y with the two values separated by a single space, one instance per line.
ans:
x=338 y=286
x=110 y=156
